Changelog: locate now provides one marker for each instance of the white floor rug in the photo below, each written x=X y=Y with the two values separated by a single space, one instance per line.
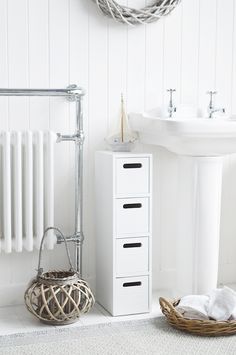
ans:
x=142 y=337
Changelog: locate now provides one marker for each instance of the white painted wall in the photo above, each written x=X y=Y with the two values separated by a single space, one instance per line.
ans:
x=51 y=43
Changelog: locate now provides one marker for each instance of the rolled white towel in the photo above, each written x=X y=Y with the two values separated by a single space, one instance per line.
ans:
x=193 y=307
x=222 y=303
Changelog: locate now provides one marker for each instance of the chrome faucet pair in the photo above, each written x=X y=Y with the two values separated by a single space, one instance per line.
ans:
x=211 y=109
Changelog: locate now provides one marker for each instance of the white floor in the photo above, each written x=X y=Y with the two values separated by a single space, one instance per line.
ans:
x=16 y=319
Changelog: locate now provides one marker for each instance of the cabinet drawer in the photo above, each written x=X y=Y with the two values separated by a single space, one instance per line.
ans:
x=131 y=295
x=132 y=176
x=132 y=217
x=132 y=256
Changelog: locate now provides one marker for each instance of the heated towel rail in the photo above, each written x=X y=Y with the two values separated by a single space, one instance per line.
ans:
x=75 y=94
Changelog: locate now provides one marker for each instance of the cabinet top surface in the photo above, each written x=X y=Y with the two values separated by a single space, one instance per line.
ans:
x=123 y=154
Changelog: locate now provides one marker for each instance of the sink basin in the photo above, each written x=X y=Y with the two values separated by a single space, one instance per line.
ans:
x=193 y=136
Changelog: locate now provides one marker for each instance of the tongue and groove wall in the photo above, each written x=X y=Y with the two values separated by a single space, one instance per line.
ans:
x=53 y=43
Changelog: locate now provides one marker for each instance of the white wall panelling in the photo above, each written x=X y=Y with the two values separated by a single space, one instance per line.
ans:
x=52 y=43
x=38 y=61
x=3 y=62
x=189 y=52
x=172 y=53
x=233 y=81
x=207 y=49
x=224 y=40
x=136 y=63
x=154 y=85
x=18 y=61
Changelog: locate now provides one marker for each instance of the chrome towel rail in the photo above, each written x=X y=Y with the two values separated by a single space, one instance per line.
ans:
x=72 y=93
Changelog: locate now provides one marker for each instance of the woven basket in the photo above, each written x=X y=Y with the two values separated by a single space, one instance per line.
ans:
x=195 y=326
x=133 y=16
x=58 y=297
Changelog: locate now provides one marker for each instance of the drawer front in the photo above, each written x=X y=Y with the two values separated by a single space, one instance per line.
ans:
x=132 y=256
x=131 y=295
x=132 y=217
x=132 y=176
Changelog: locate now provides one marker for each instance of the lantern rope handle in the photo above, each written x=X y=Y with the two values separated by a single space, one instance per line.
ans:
x=40 y=269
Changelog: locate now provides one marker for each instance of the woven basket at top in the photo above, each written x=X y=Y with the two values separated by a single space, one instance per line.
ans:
x=133 y=16
x=195 y=326
x=58 y=297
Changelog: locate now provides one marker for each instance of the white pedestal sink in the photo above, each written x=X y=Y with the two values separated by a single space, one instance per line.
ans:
x=200 y=144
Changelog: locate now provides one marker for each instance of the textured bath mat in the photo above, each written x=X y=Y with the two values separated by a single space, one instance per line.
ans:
x=143 y=337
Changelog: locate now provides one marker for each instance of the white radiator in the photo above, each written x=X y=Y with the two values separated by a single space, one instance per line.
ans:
x=26 y=189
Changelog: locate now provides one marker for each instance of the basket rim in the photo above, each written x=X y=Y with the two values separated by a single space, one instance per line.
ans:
x=74 y=276
x=208 y=327
x=175 y=302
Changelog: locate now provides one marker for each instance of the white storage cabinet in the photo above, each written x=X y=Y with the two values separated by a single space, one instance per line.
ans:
x=123 y=231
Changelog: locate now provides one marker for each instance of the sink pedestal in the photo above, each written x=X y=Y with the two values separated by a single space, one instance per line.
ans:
x=200 y=144
x=199 y=204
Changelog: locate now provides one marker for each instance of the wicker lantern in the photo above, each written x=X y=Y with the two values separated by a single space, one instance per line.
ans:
x=58 y=297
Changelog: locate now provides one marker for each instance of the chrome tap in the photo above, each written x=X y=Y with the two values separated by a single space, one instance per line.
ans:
x=171 y=108
x=211 y=109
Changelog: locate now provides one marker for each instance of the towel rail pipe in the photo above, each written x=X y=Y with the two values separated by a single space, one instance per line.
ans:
x=70 y=91
x=79 y=185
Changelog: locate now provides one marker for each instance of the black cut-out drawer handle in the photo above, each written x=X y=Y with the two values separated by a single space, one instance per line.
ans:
x=132 y=284
x=132 y=166
x=132 y=205
x=132 y=245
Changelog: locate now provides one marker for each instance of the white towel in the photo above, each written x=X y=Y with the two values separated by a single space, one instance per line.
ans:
x=222 y=303
x=233 y=315
x=193 y=306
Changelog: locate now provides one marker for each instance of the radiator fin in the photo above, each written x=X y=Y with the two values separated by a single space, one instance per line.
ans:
x=26 y=189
